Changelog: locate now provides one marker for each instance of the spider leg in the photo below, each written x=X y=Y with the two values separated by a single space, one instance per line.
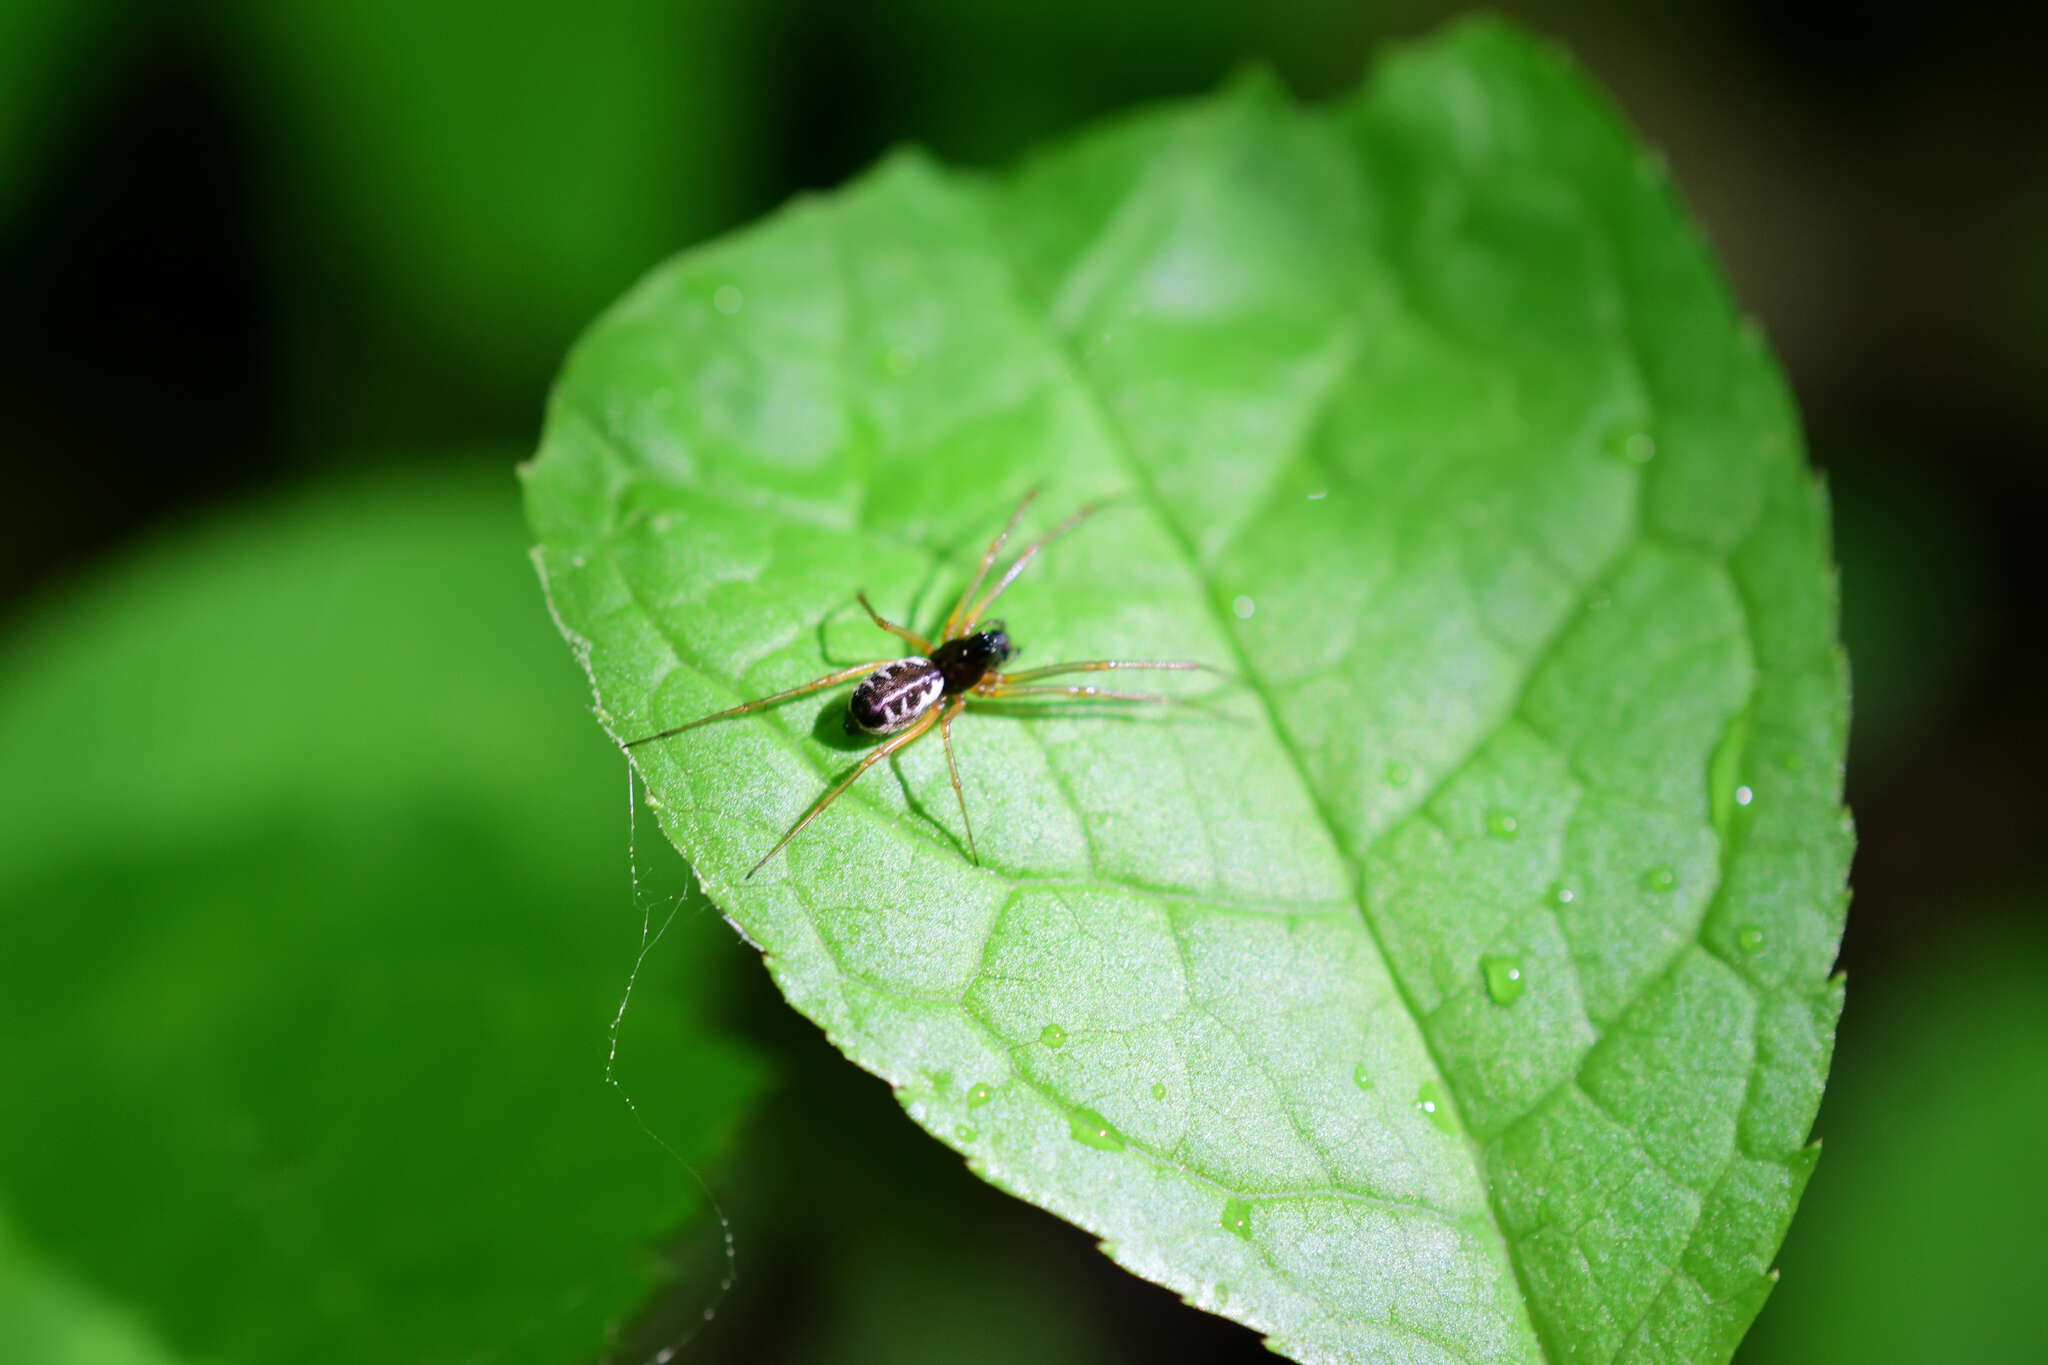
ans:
x=1022 y=562
x=1075 y=692
x=954 y=708
x=995 y=547
x=829 y=680
x=1103 y=666
x=922 y=645
x=917 y=730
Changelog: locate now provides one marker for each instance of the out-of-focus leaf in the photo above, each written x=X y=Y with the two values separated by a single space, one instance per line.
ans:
x=44 y=46
x=496 y=173
x=304 y=973
x=1921 y=1242
x=1466 y=998
x=47 y=1319
x=981 y=82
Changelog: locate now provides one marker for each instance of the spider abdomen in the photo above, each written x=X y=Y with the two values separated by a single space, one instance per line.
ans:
x=895 y=695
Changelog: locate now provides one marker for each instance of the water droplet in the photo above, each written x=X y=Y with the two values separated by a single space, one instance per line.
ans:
x=1222 y=1295
x=1397 y=774
x=981 y=1094
x=1743 y=796
x=1052 y=1035
x=1431 y=1101
x=1750 y=939
x=1092 y=1130
x=1360 y=1077
x=1237 y=1218
x=1562 y=894
x=1319 y=495
x=1502 y=824
x=728 y=299
x=1159 y=1091
x=964 y=1133
x=1244 y=607
x=1660 y=878
x=899 y=360
x=1503 y=978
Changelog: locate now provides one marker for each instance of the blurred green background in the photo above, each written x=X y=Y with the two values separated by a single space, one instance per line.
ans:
x=284 y=285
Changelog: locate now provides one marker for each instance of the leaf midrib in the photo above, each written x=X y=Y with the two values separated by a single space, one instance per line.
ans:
x=1120 y=442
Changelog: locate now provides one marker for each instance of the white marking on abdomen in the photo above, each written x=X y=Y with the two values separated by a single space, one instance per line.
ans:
x=896 y=694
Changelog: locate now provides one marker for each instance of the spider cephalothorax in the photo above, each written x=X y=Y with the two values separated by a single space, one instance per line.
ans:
x=964 y=662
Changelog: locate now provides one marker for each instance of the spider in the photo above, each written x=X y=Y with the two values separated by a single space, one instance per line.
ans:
x=907 y=697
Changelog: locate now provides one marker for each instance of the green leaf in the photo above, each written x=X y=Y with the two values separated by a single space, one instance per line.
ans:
x=307 y=968
x=1427 y=415
x=491 y=182
x=1919 y=1241
x=48 y=52
x=47 y=1318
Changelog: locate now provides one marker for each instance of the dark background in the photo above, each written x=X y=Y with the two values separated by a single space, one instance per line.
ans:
x=245 y=246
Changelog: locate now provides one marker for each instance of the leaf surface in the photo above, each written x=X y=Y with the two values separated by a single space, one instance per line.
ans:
x=47 y=1318
x=1464 y=994
x=305 y=976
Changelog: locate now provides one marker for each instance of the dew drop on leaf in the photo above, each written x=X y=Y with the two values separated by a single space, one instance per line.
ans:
x=1750 y=939
x=981 y=1094
x=1159 y=1090
x=1743 y=796
x=1361 y=1077
x=1561 y=893
x=1397 y=774
x=1430 y=1100
x=1237 y=1218
x=964 y=1133
x=1660 y=878
x=1092 y=1130
x=1503 y=978
x=1052 y=1035
x=727 y=299
x=1502 y=824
